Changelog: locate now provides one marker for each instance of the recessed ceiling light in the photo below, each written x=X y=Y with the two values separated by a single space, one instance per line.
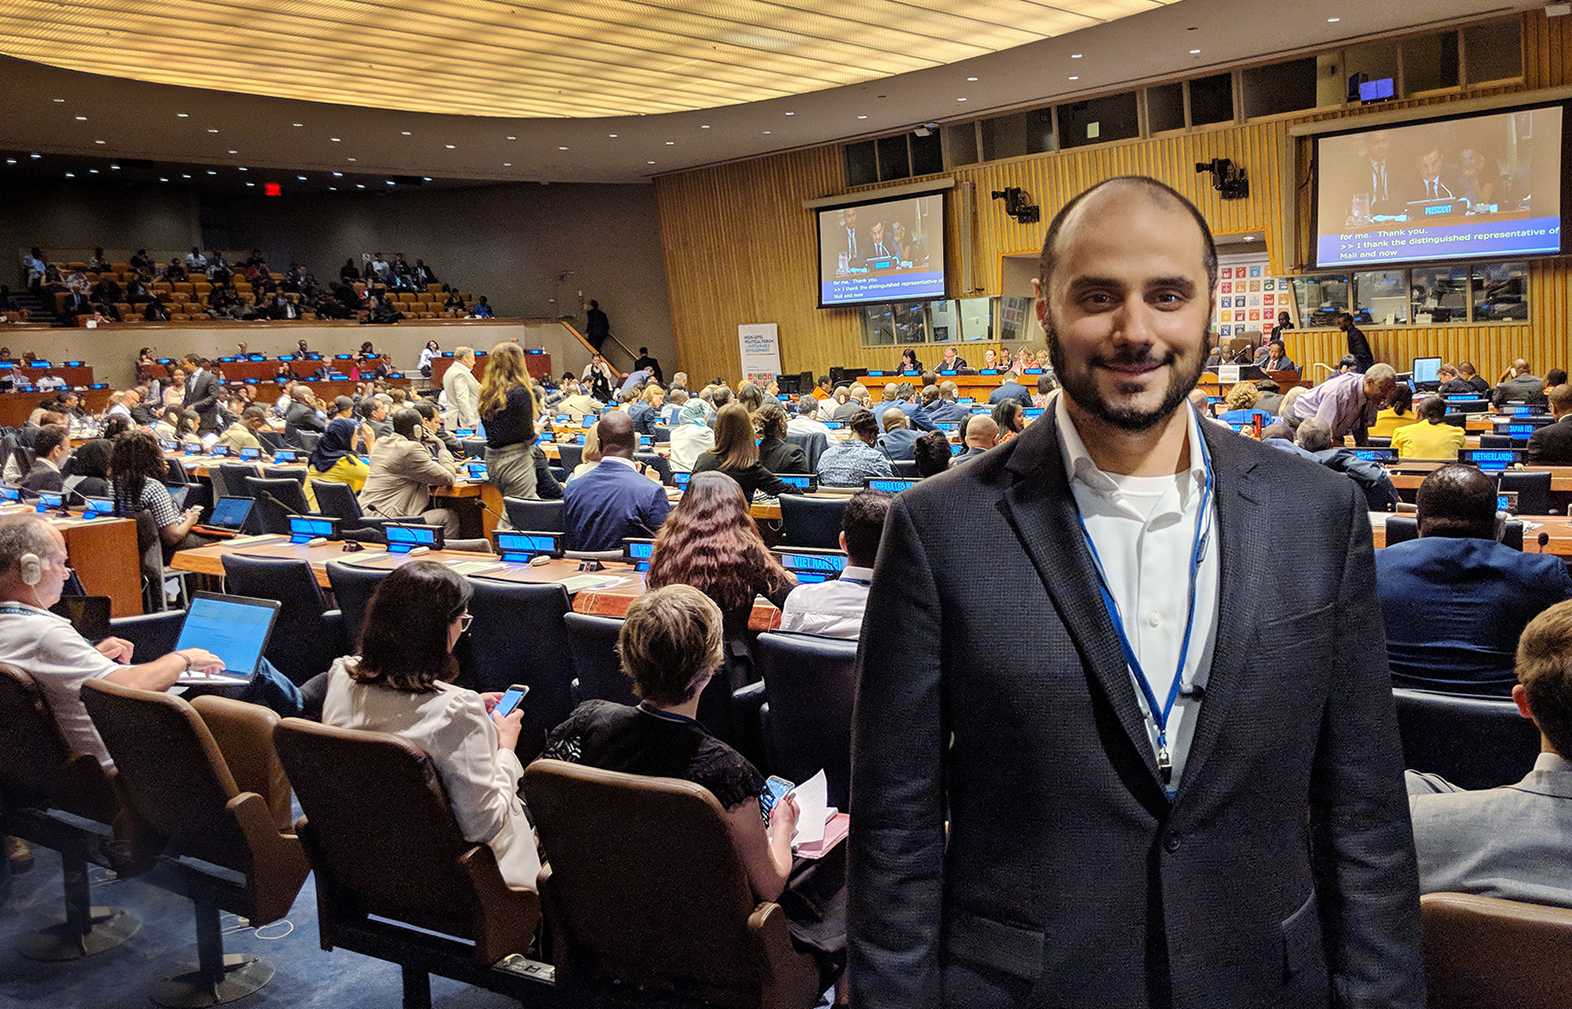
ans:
x=703 y=127
x=766 y=132
x=234 y=152
x=92 y=171
x=335 y=140
x=331 y=189
x=349 y=159
x=561 y=148
x=390 y=182
x=70 y=175
x=59 y=99
x=649 y=162
x=513 y=138
x=1249 y=238
x=81 y=119
x=450 y=147
x=971 y=78
x=211 y=172
x=182 y=115
x=960 y=99
x=98 y=141
x=405 y=132
x=862 y=117
x=1195 y=52
x=507 y=164
x=1333 y=21
x=251 y=183
x=185 y=175
x=297 y=124
x=1075 y=56
x=114 y=168
x=243 y=168
x=791 y=113
x=212 y=131
x=360 y=185
x=35 y=155
x=1075 y=77
x=163 y=178
x=612 y=136
x=10 y=161
x=671 y=143
x=302 y=178
x=338 y=175
x=425 y=178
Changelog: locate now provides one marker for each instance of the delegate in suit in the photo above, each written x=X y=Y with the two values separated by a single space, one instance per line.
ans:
x=1171 y=778
x=1551 y=445
x=463 y=392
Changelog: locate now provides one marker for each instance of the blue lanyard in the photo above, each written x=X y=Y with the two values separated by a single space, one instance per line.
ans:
x=1159 y=713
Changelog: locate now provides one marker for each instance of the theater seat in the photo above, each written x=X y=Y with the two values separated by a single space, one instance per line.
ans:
x=58 y=798
x=1485 y=953
x=307 y=635
x=534 y=516
x=227 y=851
x=373 y=802
x=597 y=671
x=517 y=637
x=644 y=885
x=352 y=589
x=811 y=521
x=1473 y=742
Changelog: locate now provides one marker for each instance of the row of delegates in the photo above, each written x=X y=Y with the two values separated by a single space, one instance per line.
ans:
x=736 y=453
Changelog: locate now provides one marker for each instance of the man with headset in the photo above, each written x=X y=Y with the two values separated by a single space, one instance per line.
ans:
x=33 y=573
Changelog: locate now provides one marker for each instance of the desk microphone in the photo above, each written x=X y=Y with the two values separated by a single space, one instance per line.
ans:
x=1544 y=539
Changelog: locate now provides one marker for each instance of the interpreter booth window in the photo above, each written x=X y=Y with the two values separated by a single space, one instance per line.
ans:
x=1320 y=298
x=1381 y=297
x=976 y=319
x=878 y=325
x=1439 y=294
x=1430 y=63
x=943 y=322
x=1493 y=52
x=1014 y=319
x=1500 y=292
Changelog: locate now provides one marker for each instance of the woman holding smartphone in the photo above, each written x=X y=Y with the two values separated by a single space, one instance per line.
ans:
x=400 y=681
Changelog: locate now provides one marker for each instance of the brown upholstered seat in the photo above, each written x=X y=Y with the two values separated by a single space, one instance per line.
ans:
x=1485 y=953
x=644 y=885
x=41 y=777
x=377 y=821
x=169 y=759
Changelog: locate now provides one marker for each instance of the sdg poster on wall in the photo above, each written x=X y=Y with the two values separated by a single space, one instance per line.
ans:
x=761 y=350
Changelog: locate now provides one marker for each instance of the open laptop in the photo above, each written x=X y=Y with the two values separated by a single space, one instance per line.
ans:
x=235 y=628
x=229 y=516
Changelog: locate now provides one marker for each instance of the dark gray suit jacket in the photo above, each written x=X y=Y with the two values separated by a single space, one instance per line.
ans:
x=1282 y=874
x=203 y=398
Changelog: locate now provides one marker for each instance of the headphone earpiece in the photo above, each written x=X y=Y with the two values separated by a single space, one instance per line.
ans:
x=32 y=568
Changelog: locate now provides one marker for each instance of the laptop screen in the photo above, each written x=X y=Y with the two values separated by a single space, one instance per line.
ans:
x=477 y=470
x=231 y=512
x=235 y=628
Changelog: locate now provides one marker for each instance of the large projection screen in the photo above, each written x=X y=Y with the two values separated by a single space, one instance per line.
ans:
x=892 y=250
x=1474 y=187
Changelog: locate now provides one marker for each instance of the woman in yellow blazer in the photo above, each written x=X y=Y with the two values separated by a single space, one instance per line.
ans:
x=1432 y=437
x=334 y=460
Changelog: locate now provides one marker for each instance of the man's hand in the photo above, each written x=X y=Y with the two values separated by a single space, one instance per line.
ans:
x=202 y=661
x=118 y=649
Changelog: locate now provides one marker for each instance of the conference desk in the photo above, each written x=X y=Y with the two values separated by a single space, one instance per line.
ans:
x=16 y=407
x=102 y=552
x=1558 y=527
x=536 y=360
x=611 y=599
x=1411 y=478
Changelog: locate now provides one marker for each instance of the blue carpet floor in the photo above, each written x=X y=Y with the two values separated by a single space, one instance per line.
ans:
x=166 y=944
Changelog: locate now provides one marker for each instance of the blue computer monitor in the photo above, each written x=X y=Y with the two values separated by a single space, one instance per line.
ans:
x=1427 y=370
x=517 y=547
x=285 y=455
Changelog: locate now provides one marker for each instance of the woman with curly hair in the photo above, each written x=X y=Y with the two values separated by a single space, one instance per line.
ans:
x=137 y=469
x=710 y=541
x=507 y=408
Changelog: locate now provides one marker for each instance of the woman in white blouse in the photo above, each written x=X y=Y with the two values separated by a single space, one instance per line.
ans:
x=400 y=682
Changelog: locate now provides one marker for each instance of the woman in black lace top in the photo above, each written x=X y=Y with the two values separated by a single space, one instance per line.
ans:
x=670 y=645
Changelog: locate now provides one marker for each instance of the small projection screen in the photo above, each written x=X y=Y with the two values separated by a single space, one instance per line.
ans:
x=1465 y=187
x=892 y=250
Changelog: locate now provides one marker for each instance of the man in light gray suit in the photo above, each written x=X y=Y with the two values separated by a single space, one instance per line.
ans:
x=1510 y=842
x=463 y=392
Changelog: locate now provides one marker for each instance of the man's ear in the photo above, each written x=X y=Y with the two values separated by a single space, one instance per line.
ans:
x=1520 y=696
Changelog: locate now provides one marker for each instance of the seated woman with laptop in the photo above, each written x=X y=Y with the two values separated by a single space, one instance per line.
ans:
x=671 y=644
x=400 y=681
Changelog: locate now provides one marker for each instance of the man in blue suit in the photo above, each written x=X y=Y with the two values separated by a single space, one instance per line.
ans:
x=612 y=501
x=909 y=403
x=1011 y=389
x=1455 y=600
x=898 y=437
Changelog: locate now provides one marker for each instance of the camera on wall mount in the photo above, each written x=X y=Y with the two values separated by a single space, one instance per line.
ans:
x=1227 y=178
x=1018 y=204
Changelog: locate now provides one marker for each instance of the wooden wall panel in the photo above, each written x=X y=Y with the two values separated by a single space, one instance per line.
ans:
x=739 y=247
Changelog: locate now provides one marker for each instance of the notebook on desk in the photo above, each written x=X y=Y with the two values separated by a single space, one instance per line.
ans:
x=235 y=628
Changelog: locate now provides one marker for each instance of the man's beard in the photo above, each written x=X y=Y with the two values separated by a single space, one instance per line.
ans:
x=1081 y=386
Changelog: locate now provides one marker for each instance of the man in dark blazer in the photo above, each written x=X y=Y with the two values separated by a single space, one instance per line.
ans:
x=1024 y=833
x=613 y=501
x=1455 y=600
x=1552 y=445
x=50 y=449
x=202 y=389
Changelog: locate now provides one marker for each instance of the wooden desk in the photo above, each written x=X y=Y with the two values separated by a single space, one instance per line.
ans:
x=611 y=601
x=16 y=406
x=103 y=552
x=537 y=361
x=772 y=509
x=1560 y=479
x=1558 y=526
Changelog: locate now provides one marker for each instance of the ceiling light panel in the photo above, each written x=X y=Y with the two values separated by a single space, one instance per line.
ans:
x=533 y=58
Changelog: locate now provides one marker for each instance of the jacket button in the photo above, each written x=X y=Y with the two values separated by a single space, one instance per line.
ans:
x=1171 y=843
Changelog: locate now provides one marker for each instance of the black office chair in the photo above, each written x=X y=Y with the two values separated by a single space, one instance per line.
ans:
x=811 y=521
x=571 y=456
x=812 y=444
x=474 y=447
x=809 y=685
x=517 y=637
x=558 y=473
x=1401 y=528
x=1473 y=742
x=660 y=463
x=596 y=669
x=307 y=636
x=1533 y=491
x=905 y=468
x=352 y=588
x=1457 y=420
x=1377 y=442
x=309 y=439
x=1495 y=441
x=277 y=500
x=338 y=500
x=295 y=473
x=533 y=515
x=271 y=440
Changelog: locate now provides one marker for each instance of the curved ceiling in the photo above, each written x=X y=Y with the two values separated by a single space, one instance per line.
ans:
x=531 y=58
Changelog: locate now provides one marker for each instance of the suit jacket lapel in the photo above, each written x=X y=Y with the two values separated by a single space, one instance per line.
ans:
x=1041 y=508
x=1241 y=520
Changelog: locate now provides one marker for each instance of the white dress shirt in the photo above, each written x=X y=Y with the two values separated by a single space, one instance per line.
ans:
x=1144 y=532
x=832 y=609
